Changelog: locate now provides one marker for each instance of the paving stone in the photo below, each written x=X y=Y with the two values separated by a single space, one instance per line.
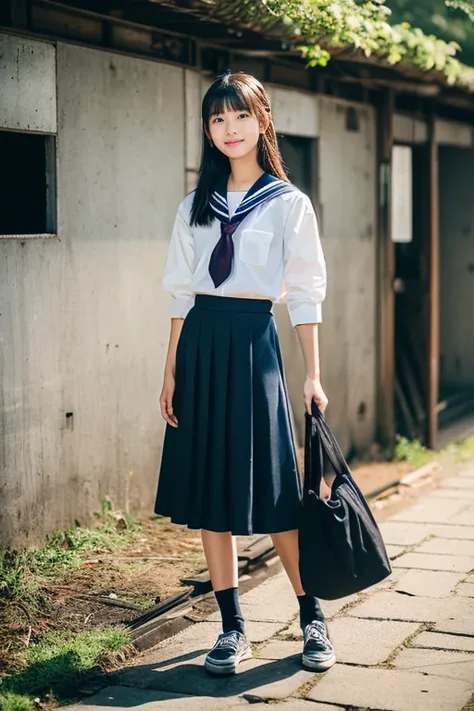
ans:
x=436 y=662
x=431 y=511
x=447 y=531
x=294 y=705
x=389 y=582
x=465 y=589
x=281 y=678
x=256 y=679
x=330 y=608
x=428 y=583
x=444 y=641
x=433 y=561
x=189 y=647
x=467 y=472
x=389 y=690
x=280 y=649
x=402 y=533
x=113 y=697
x=393 y=551
x=447 y=546
x=272 y=601
x=457 y=625
x=358 y=641
x=457 y=482
x=395 y=606
x=452 y=494
x=463 y=518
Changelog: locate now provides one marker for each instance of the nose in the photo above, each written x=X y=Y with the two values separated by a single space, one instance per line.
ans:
x=231 y=128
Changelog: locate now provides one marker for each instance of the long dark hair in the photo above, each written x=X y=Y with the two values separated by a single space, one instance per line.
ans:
x=235 y=92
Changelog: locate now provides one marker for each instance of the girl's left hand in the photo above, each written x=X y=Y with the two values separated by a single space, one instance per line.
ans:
x=313 y=390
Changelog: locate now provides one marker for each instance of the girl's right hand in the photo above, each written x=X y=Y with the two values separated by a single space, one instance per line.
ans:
x=166 y=401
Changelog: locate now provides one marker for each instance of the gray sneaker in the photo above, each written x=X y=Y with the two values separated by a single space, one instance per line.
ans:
x=318 y=651
x=229 y=649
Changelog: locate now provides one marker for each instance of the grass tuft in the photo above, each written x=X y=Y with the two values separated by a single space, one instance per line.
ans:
x=463 y=450
x=56 y=663
x=15 y=702
x=413 y=452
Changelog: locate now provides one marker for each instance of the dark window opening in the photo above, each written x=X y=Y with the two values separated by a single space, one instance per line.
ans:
x=27 y=184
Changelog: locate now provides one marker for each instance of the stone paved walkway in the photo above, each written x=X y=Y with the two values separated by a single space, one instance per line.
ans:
x=405 y=644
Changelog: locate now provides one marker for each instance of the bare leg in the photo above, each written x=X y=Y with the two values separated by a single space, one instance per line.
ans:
x=220 y=550
x=286 y=545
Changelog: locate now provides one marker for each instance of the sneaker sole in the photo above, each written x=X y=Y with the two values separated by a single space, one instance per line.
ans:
x=322 y=665
x=226 y=668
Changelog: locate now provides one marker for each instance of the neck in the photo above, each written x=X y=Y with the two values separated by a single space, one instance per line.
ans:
x=244 y=172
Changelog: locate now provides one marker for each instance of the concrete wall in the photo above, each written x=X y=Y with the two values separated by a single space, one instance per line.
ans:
x=348 y=224
x=456 y=175
x=84 y=321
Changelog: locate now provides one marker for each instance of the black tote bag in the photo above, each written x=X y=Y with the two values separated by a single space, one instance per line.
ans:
x=341 y=550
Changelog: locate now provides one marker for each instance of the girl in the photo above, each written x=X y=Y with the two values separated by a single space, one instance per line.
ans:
x=243 y=239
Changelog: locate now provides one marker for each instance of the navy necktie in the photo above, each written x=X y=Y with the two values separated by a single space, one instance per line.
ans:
x=222 y=257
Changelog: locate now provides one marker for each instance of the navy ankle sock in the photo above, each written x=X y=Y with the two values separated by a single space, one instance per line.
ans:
x=232 y=618
x=309 y=609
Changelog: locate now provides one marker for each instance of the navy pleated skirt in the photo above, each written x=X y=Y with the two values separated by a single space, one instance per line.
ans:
x=231 y=463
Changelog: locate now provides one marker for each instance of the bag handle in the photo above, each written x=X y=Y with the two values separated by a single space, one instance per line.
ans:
x=318 y=439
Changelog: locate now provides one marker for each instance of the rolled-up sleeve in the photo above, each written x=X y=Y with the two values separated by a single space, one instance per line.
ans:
x=304 y=263
x=179 y=265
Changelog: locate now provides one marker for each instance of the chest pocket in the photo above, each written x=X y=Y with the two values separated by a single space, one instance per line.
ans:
x=255 y=246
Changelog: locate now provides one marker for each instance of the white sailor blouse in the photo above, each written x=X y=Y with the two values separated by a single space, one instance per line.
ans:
x=277 y=256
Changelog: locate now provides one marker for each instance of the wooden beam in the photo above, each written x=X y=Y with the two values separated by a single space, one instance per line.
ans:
x=433 y=288
x=385 y=276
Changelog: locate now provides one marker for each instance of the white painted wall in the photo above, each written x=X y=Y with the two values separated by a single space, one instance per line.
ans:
x=348 y=224
x=84 y=319
x=456 y=175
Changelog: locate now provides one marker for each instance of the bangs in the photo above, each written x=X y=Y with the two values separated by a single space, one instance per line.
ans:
x=225 y=95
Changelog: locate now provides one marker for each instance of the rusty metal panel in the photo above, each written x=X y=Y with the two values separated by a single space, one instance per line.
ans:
x=348 y=334
x=27 y=84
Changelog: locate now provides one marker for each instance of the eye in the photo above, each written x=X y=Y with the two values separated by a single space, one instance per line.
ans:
x=244 y=114
x=216 y=119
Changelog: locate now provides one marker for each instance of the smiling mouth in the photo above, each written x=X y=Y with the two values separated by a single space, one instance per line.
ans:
x=234 y=143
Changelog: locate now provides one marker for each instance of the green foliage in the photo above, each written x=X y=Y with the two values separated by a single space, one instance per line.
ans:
x=412 y=451
x=463 y=450
x=435 y=17
x=319 y=27
x=15 y=702
x=55 y=664
x=466 y=6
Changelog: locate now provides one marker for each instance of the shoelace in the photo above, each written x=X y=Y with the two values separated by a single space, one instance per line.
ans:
x=231 y=639
x=317 y=631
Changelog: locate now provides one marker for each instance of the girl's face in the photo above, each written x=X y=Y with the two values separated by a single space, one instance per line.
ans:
x=234 y=133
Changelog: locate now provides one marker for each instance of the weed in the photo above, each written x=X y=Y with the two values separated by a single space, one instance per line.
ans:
x=20 y=570
x=15 y=702
x=463 y=450
x=412 y=451
x=55 y=664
